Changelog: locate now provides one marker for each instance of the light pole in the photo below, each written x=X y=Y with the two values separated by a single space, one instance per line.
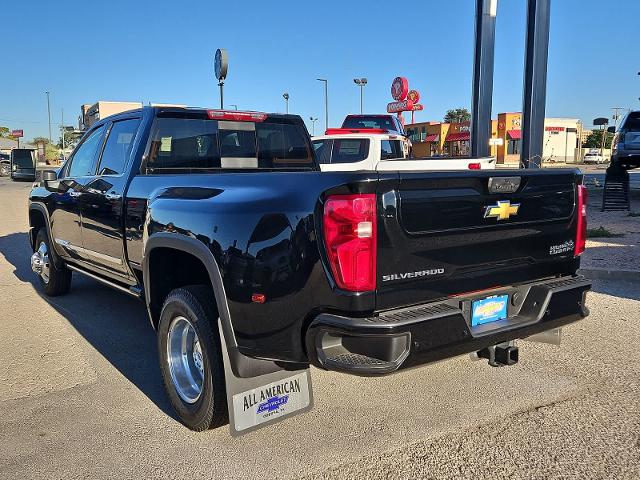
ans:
x=233 y=105
x=326 y=101
x=49 y=114
x=361 y=82
x=313 y=125
x=285 y=95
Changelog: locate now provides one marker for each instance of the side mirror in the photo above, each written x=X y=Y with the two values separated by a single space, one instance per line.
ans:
x=49 y=175
x=611 y=129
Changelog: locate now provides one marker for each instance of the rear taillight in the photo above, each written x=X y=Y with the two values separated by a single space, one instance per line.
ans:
x=349 y=226
x=236 y=116
x=581 y=233
x=474 y=166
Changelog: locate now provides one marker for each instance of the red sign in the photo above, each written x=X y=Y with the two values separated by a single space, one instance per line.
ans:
x=403 y=106
x=554 y=129
x=417 y=107
x=399 y=88
x=17 y=133
x=414 y=96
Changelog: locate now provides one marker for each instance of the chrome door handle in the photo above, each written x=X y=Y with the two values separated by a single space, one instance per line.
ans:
x=73 y=193
x=112 y=196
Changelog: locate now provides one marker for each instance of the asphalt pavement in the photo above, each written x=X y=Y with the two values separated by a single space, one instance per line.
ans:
x=81 y=397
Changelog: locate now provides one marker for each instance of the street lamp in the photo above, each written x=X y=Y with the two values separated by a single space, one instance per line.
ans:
x=234 y=106
x=49 y=114
x=326 y=101
x=313 y=125
x=285 y=95
x=361 y=82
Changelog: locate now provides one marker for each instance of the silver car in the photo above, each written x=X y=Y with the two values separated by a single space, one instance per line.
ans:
x=626 y=143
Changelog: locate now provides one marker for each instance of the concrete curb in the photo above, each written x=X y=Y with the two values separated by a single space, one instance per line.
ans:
x=603 y=274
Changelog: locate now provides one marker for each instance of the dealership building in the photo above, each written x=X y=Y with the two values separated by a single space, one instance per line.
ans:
x=560 y=141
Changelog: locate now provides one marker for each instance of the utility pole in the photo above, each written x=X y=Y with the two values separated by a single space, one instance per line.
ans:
x=49 y=114
x=313 y=125
x=326 y=101
x=616 y=115
x=62 y=128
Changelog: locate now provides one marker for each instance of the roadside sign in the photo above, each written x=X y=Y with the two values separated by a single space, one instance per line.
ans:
x=17 y=133
x=496 y=142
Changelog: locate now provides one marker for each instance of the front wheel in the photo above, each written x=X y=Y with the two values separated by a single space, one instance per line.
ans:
x=55 y=280
x=191 y=358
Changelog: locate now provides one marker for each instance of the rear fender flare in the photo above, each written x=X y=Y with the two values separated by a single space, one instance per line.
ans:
x=201 y=252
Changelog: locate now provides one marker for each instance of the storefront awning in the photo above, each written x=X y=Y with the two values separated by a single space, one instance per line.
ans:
x=458 y=137
x=432 y=138
x=514 y=134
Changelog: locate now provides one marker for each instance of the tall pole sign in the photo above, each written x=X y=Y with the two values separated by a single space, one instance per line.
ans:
x=405 y=100
x=220 y=67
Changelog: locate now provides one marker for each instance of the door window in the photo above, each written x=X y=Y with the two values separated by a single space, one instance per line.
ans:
x=118 y=147
x=83 y=160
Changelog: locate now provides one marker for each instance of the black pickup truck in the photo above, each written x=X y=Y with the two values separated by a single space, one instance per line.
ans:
x=245 y=252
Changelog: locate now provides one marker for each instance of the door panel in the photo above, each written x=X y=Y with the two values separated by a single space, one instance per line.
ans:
x=101 y=202
x=66 y=215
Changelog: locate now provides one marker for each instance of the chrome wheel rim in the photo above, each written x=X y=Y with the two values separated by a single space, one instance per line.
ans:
x=40 y=262
x=184 y=355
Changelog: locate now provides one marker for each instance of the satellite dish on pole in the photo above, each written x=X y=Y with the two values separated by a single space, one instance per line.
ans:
x=221 y=64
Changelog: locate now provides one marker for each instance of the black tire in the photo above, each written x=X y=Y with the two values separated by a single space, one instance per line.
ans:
x=58 y=281
x=196 y=304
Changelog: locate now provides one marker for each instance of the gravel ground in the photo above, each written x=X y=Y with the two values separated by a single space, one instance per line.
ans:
x=616 y=253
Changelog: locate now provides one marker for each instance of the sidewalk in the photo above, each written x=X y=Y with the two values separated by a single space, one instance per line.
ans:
x=620 y=252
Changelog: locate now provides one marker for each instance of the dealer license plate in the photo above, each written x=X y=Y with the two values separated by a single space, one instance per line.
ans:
x=490 y=309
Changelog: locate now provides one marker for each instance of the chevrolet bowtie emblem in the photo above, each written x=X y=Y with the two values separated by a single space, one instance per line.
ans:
x=501 y=210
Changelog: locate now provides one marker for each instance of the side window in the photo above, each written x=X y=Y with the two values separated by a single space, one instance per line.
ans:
x=83 y=160
x=390 y=149
x=118 y=147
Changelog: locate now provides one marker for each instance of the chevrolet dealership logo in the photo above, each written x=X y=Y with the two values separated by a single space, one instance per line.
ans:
x=501 y=210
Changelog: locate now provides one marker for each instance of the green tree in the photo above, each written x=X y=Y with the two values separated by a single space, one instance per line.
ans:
x=457 y=115
x=5 y=132
x=40 y=139
x=594 y=140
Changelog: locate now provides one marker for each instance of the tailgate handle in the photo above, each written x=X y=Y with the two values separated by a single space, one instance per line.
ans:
x=504 y=184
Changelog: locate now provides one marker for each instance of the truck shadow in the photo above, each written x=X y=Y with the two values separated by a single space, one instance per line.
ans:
x=116 y=325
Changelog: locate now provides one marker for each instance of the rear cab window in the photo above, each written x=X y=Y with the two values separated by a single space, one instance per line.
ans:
x=347 y=150
x=190 y=141
x=373 y=121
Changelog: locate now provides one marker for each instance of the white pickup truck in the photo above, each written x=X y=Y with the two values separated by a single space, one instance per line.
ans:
x=344 y=149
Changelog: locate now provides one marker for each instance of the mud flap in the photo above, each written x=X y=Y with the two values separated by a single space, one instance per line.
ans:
x=260 y=401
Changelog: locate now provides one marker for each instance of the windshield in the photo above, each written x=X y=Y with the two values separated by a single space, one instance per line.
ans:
x=383 y=122
x=23 y=158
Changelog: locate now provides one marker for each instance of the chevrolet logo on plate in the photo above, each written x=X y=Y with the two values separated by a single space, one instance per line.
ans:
x=502 y=210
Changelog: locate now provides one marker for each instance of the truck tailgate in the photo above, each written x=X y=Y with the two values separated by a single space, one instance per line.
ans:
x=446 y=233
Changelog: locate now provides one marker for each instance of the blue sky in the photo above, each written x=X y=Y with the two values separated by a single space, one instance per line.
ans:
x=163 y=52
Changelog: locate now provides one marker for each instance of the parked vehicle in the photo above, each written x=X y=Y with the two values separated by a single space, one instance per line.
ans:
x=388 y=123
x=5 y=165
x=250 y=260
x=23 y=164
x=594 y=157
x=374 y=149
x=626 y=143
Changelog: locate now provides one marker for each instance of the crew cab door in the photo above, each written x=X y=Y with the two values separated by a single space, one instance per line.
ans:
x=101 y=202
x=65 y=211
